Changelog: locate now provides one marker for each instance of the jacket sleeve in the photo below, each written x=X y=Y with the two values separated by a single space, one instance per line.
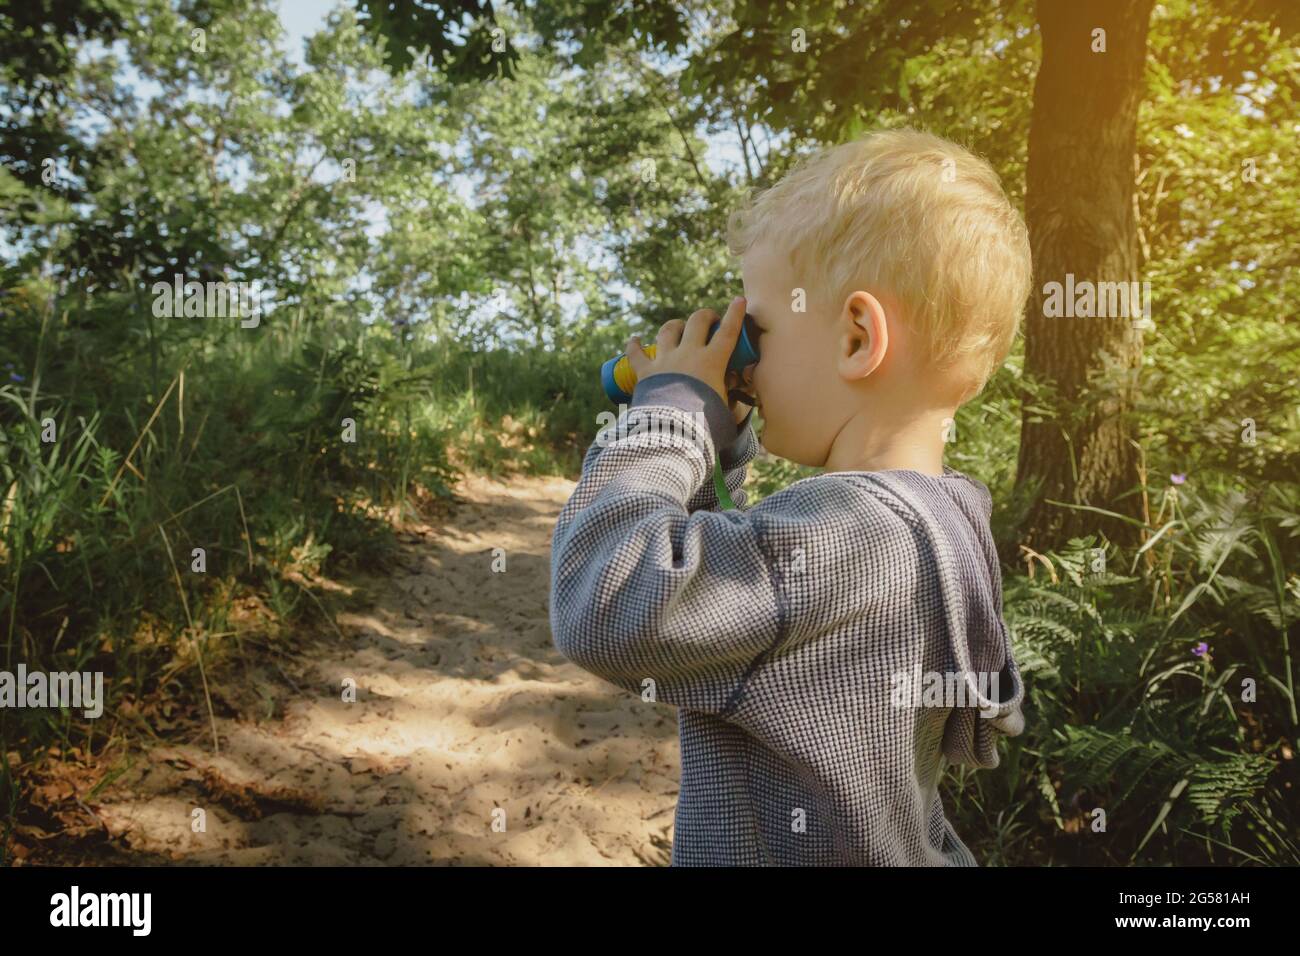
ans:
x=674 y=605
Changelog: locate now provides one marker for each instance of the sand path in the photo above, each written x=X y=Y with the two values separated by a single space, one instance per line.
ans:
x=465 y=716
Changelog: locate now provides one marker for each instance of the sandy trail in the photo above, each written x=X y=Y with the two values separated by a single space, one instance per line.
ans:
x=464 y=711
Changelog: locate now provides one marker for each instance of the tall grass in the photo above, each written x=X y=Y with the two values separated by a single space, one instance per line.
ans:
x=284 y=453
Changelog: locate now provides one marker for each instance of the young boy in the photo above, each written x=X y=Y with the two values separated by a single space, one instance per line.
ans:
x=832 y=647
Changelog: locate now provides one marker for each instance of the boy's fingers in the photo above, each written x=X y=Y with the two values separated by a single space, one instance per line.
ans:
x=636 y=357
x=670 y=334
x=697 y=327
x=729 y=331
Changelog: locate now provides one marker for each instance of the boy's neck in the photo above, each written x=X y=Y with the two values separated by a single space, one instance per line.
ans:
x=911 y=439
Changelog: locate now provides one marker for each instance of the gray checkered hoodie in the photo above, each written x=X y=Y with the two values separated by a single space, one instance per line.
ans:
x=780 y=632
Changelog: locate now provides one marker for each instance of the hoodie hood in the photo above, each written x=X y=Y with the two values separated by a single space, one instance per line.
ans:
x=955 y=510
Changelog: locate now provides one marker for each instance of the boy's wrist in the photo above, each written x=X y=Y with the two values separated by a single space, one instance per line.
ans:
x=692 y=395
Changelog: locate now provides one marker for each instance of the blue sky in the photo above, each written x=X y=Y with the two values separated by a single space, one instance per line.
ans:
x=302 y=18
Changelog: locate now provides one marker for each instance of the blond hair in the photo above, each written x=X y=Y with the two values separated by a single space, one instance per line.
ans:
x=914 y=215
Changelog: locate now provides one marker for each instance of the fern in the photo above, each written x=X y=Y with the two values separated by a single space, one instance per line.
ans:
x=1102 y=759
x=1220 y=790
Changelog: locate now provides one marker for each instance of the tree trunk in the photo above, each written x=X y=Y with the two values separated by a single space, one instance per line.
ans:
x=1079 y=207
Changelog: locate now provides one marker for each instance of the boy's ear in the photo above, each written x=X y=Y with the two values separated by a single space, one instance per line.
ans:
x=865 y=335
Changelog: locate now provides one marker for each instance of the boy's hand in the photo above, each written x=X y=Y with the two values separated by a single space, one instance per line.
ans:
x=681 y=347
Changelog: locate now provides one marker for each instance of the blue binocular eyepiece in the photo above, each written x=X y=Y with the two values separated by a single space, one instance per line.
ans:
x=619 y=380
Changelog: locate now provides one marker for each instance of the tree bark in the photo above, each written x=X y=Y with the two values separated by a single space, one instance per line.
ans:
x=1080 y=213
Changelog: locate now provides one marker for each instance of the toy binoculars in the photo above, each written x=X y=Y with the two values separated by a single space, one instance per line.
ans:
x=619 y=380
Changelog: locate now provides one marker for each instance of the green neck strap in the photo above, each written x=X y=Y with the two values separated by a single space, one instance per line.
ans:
x=720 y=486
